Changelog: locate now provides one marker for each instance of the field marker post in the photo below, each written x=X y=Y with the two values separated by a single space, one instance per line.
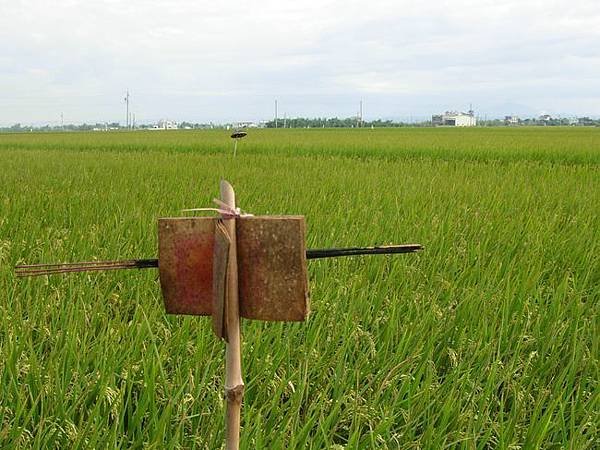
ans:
x=236 y=136
x=234 y=384
x=236 y=265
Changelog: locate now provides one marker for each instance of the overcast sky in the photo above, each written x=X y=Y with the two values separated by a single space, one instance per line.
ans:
x=229 y=61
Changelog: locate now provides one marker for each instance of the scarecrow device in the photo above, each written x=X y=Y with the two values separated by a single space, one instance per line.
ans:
x=229 y=267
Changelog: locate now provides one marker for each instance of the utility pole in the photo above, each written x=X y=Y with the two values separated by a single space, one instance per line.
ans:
x=361 y=115
x=127 y=113
x=62 y=121
x=284 y=120
x=275 y=113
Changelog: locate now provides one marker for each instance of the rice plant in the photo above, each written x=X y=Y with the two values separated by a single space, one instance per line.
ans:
x=487 y=339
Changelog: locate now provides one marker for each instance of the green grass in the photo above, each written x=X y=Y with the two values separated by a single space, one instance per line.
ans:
x=487 y=339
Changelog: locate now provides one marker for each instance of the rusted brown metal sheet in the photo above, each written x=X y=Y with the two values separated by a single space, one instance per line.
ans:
x=272 y=275
x=185 y=264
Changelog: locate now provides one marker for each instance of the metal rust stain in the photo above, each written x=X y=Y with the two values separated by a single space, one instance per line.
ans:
x=272 y=276
x=185 y=247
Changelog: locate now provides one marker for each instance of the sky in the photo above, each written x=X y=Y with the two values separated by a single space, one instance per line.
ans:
x=229 y=61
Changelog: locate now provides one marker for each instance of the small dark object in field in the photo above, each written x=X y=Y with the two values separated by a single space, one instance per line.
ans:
x=238 y=134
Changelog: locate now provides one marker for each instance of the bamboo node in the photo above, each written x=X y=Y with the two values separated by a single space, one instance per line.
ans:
x=235 y=393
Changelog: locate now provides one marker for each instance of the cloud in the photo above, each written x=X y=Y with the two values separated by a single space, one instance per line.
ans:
x=212 y=61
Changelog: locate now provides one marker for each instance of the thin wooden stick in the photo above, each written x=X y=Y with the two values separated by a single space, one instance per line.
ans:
x=31 y=270
x=234 y=384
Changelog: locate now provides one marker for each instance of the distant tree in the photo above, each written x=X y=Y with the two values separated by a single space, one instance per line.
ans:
x=333 y=122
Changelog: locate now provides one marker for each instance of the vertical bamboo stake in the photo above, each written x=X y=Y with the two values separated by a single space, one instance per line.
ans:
x=234 y=384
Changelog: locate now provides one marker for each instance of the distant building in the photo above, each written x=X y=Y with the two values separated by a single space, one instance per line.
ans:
x=455 y=119
x=545 y=118
x=247 y=124
x=511 y=120
x=165 y=125
x=585 y=121
x=250 y=124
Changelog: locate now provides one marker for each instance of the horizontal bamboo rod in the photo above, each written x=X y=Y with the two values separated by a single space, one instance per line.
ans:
x=31 y=270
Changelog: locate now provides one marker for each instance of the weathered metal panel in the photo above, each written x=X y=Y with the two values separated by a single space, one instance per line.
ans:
x=185 y=264
x=272 y=276
x=272 y=279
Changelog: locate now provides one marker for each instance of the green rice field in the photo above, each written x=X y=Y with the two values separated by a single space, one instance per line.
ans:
x=489 y=338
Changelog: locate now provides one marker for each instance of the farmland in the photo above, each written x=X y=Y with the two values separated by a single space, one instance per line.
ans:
x=489 y=338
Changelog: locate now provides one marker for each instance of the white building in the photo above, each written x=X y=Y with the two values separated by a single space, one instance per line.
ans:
x=455 y=119
x=511 y=120
x=250 y=124
x=165 y=125
x=247 y=124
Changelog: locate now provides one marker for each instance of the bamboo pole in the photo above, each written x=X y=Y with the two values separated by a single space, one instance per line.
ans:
x=32 y=270
x=234 y=384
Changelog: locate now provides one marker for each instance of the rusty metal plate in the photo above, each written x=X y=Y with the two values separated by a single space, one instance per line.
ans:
x=185 y=264
x=272 y=275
